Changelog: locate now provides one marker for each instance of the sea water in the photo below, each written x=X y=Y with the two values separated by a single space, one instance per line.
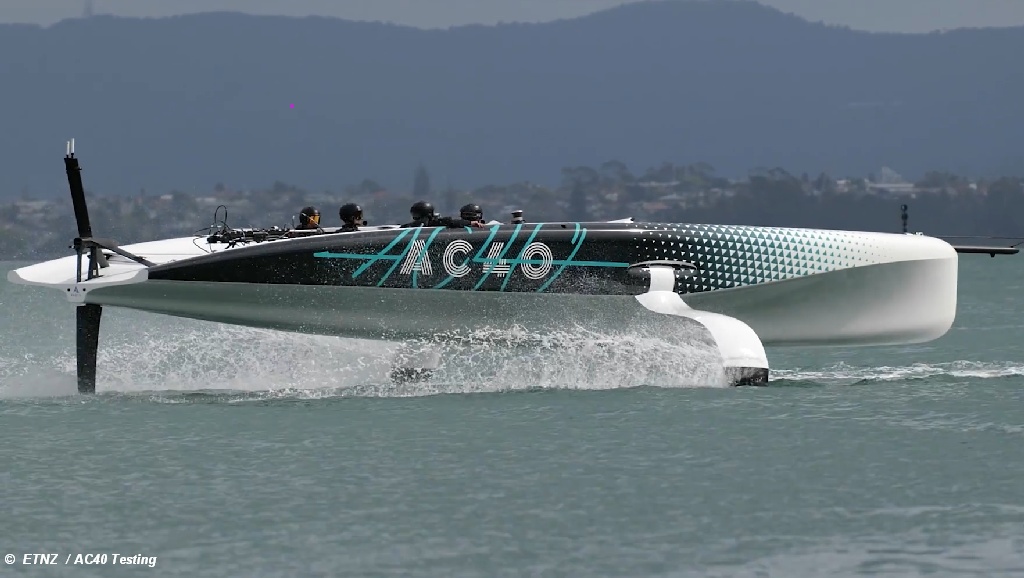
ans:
x=226 y=451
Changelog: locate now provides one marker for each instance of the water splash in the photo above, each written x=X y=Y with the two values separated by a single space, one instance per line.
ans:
x=191 y=356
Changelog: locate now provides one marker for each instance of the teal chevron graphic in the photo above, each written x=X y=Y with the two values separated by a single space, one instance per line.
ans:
x=491 y=255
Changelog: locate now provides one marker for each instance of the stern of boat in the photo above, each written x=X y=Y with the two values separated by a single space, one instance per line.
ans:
x=909 y=299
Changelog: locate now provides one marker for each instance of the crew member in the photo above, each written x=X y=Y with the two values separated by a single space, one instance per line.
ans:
x=309 y=218
x=351 y=218
x=423 y=215
x=472 y=212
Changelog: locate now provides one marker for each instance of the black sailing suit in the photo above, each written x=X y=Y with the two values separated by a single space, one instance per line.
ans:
x=436 y=221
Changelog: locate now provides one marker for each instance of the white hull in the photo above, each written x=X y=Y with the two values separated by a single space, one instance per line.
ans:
x=900 y=301
x=895 y=303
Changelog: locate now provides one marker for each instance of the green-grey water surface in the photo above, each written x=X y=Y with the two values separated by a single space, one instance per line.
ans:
x=225 y=451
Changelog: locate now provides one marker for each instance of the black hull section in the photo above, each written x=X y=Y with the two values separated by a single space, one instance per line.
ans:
x=575 y=258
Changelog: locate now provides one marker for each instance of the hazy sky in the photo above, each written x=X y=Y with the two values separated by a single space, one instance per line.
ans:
x=878 y=15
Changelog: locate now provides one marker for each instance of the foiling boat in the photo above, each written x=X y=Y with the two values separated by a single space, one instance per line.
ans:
x=745 y=286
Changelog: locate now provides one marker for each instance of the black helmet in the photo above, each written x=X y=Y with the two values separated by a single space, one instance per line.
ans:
x=472 y=212
x=309 y=217
x=351 y=213
x=421 y=210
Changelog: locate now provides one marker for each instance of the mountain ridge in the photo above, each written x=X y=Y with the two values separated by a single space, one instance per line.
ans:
x=186 y=101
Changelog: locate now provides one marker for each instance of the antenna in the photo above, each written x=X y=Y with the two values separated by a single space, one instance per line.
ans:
x=903 y=215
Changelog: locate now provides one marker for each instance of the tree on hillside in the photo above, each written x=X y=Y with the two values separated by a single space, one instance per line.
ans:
x=701 y=170
x=421 y=184
x=579 y=180
x=1006 y=189
x=824 y=184
x=579 y=176
x=772 y=187
x=451 y=198
x=363 y=189
x=697 y=176
x=664 y=173
x=939 y=180
x=579 y=204
x=616 y=172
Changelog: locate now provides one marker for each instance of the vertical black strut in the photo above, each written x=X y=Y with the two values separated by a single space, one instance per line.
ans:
x=81 y=243
x=77 y=192
x=87 y=340
x=87 y=315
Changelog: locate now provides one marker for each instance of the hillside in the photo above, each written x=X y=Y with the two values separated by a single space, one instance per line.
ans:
x=189 y=101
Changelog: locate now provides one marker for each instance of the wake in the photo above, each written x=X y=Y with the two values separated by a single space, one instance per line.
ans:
x=200 y=357
x=844 y=374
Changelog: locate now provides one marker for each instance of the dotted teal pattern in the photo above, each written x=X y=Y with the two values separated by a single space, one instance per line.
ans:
x=736 y=256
